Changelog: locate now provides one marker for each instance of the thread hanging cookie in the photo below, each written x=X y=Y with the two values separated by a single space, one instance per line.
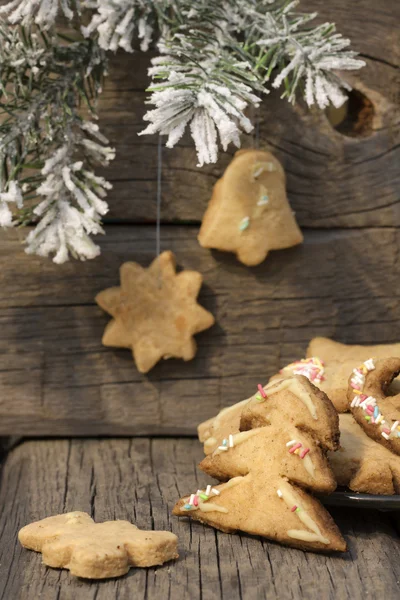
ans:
x=362 y=464
x=249 y=213
x=155 y=312
x=271 y=451
x=92 y=550
x=377 y=413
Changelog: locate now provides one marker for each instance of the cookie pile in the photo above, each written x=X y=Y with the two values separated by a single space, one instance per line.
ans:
x=276 y=449
x=271 y=452
x=360 y=380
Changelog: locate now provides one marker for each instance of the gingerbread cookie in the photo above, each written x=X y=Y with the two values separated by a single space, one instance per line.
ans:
x=328 y=365
x=339 y=361
x=249 y=213
x=271 y=451
x=155 y=312
x=96 y=550
x=361 y=464
x=377 y=413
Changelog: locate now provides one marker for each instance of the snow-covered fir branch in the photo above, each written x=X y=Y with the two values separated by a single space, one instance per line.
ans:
x=47 y=150
x=220 y=57
x=73 y=202
x=215 y=60
x=43 y=13
x=210 y=96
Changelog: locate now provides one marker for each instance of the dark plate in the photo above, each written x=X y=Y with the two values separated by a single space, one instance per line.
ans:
x=354 y=500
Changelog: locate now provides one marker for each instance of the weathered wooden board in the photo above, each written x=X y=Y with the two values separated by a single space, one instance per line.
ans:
x=140 y=480
x=332 y=180
x=57 y=379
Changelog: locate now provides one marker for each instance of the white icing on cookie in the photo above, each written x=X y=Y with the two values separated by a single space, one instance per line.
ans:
x=211 y=441
x=296 y=387
x=238 y=438
x=291 y=500
x=206 y=506
x=309 y=466
x=209 y=507
x=225 y=411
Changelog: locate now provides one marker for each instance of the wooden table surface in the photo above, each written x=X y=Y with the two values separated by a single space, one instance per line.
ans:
x=140 y=480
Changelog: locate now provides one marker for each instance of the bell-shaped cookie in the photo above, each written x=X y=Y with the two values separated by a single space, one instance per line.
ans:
x=249 y=213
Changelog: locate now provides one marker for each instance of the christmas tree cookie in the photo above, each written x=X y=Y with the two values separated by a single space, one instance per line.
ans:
x=249 y=213
x=271 y=453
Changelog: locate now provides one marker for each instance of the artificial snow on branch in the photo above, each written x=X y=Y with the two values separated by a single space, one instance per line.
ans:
x=215 y=60
x=47 y=149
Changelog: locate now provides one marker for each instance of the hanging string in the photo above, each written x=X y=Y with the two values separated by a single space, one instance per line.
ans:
x=257 y=125
x=159 y=176
x=255 y=117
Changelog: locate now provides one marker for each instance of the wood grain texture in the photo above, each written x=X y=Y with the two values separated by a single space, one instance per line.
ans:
x=332 y=180
x=57 y=379
x=140 y=480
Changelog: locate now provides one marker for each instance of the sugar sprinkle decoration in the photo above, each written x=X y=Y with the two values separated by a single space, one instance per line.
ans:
x=227 y=443
x=199 y=497
x=296 y=447
x=279 y=493
x=244 y=223
x=261 y=390
x=258 y=169
x=291 y=443
x=263 y=201
x=312 y=368
x=373 y=416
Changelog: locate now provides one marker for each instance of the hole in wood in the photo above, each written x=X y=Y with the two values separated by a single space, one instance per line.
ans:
x=355 y=117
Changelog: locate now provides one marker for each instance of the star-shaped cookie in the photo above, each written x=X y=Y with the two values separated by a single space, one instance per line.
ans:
x=155 y=312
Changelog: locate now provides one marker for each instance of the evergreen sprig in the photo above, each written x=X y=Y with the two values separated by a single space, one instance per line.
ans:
x=47 y=148
x=215 y=59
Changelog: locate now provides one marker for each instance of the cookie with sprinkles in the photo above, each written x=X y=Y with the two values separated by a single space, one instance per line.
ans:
x=340 y=360
x=362 y=464
x=249 y=213
x=376 y=412
x=270 y=451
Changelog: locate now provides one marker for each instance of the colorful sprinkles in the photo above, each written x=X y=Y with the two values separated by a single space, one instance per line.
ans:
x=227 y=443
x=263 y=201
x=296 y=447
x=259 y=168
x=294 y=508
x=200 y=495
x=312 y=368
x=244 y=223
x=261 y=390
x=368 y=404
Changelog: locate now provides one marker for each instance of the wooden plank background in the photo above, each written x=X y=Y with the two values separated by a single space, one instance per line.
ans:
x=55 y=376
x=139 y=480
